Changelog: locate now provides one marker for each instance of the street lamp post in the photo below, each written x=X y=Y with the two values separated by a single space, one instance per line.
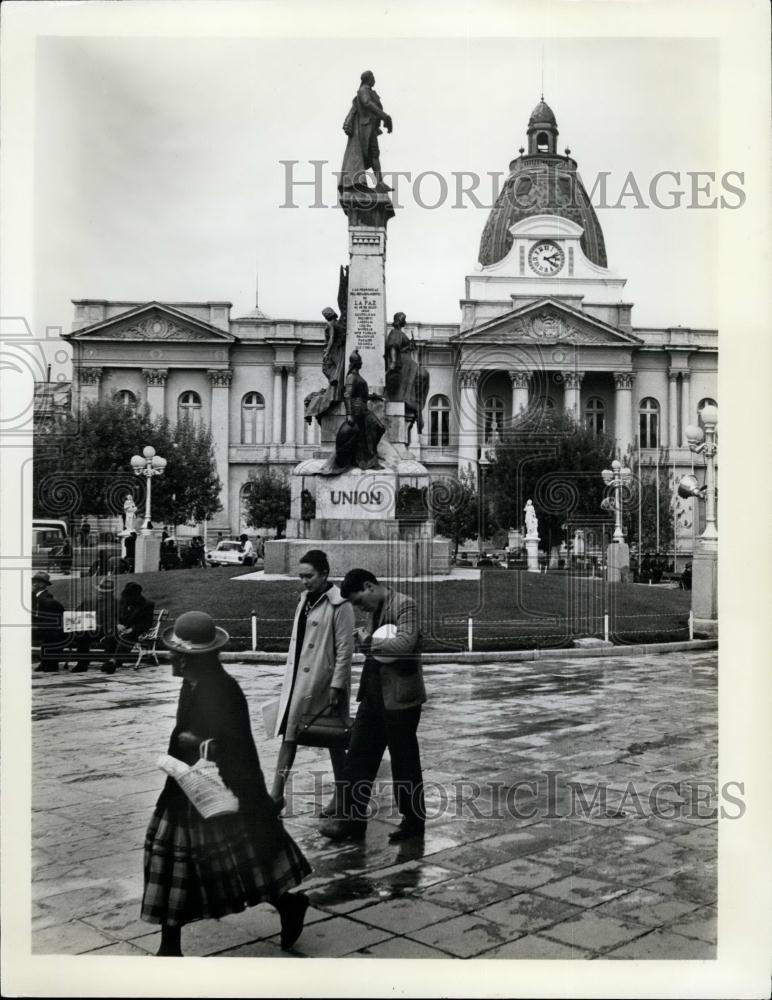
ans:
x=484 y=464
x=148 y=464
x=148 y=547
x=616 y=477
x=617 y=553
x=705 y=559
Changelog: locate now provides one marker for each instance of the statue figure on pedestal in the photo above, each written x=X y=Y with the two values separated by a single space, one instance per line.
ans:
x=531 y=521
x=406 y=381
x=129 y=513
x=356 y=443
x=362 y=126
x=333 y=357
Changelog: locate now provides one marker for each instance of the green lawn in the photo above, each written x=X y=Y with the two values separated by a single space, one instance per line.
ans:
x=511 y=609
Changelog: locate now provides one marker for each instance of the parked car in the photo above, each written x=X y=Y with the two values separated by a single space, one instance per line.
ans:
x=227 y=553
x=49 y=542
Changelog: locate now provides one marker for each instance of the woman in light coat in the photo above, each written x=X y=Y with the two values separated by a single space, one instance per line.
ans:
x=318 y=670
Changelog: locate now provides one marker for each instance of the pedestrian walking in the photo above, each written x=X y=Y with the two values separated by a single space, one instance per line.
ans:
x=198 y=551
x=47 y=623
x=197 y=868
x=84 y=532
x=317 y=675
x=248 y=549
x=391 y=693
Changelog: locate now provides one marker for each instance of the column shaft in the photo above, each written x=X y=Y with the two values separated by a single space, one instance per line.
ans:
x=277 y=407
x=572 y=382
x=219 y=422
x=290 y=435
x=155 y=380
x=672 y=409
x=623 y=411
x=468 y=421
x=686 y=406
x=519 y=391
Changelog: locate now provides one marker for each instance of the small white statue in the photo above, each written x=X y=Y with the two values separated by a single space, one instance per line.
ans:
x=531 y=521
x=129 y=512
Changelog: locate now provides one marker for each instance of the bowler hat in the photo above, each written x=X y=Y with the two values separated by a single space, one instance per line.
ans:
x=106 y=585
x=42 y=577
x=388 y=631
x=195 y=632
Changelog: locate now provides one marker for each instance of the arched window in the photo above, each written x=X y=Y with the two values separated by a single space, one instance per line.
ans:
x=595 y=415
x=494 y=419
x=252 y=418
x=439 y=421
x=188 y=406
x=542 y=143
x=127 y=398
x=649 y=423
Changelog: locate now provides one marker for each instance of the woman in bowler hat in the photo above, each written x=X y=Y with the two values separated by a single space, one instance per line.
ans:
x=199 y=868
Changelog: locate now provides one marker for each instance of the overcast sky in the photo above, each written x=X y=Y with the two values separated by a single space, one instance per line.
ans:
x=159 y=176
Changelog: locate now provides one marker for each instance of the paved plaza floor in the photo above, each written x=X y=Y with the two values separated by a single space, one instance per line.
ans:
x=517 y=862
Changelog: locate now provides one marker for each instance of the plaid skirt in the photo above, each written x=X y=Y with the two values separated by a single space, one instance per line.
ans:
x=197 y=869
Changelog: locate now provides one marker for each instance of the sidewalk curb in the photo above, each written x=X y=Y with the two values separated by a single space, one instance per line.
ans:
x=517 y=655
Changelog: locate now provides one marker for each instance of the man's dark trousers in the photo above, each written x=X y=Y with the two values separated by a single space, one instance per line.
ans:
x=375 y=730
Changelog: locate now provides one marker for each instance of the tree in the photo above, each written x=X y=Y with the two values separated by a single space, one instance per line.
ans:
x=556 y=462
x=85 y=466
x=652 y=497
x=267 y=501
x=454 y=505
x=189 y=489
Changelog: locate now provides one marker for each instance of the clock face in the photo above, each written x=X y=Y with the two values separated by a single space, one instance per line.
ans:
x=546 y=257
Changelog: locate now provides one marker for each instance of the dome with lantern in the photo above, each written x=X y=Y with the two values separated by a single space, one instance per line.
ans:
x=541 y=182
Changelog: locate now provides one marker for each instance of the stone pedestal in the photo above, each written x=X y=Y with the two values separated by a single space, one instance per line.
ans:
x=366 y=317
x=515 y=540
x=148 y=551
x=705 y=589
x=618 y=562
x=532 y=552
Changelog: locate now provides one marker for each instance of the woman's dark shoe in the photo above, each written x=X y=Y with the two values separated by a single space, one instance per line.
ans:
x=343 y=829
x=330 y=810
x=407 y=830
x=293 y=914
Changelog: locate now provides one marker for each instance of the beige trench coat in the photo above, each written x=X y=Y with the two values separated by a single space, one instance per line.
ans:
x=325 y=660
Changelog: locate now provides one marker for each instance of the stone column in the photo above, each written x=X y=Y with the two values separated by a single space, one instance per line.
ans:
x=519 y=391
x=290 y=434
x=468 y=433
x=366 y=330
x=89 y=380
x=686 y=406
x=572 y=387
x=672 y=408
x=277 y=408
x=220 y=379
x=623 y=410
x=155 y=381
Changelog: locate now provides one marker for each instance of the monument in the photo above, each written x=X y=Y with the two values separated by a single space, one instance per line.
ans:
x=531 y=537
x=354 y=480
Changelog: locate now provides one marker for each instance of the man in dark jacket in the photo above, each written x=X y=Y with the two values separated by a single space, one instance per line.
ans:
x=47 y=627
x=390 y=696
x=135 y=613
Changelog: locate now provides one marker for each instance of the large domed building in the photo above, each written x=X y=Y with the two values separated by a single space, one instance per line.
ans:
x=544 y=323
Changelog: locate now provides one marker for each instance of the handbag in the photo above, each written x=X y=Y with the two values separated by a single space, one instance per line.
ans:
x=320 y=730
x=202 y=784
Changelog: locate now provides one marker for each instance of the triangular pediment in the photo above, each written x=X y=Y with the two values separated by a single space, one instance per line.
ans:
x=153 y=322
x=548 y=322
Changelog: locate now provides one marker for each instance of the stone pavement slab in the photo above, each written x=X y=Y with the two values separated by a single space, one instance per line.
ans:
x=520 y=859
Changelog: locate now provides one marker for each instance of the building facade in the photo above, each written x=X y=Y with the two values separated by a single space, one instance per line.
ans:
x=544 y=322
